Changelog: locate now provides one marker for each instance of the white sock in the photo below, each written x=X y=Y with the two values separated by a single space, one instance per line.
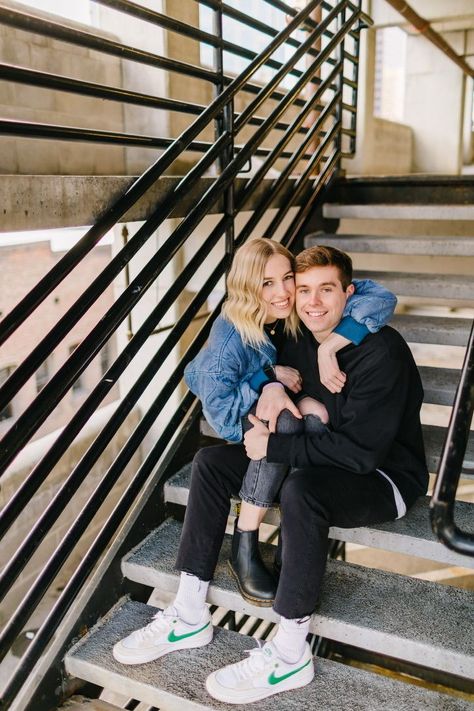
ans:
x=290 y=638
x=190 y=600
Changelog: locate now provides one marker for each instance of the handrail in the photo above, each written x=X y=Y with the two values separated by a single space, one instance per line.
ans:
x=451 y=462
x=296 y=143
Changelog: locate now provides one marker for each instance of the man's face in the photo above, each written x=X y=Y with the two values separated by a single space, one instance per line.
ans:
x=320 y=299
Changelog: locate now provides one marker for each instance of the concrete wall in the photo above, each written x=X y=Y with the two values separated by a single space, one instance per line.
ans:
x=26 y=103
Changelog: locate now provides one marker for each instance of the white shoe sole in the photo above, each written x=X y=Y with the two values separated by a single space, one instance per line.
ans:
x=247 y=696
x=125 y=655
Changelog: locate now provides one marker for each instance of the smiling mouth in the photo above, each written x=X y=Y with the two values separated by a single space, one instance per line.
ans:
x=316 y=314
x=281 y=304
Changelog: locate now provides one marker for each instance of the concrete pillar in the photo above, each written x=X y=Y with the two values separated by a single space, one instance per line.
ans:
x=434 y=105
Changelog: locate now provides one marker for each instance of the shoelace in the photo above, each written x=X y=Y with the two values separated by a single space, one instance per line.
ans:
x=255 y=662
x=159 y=624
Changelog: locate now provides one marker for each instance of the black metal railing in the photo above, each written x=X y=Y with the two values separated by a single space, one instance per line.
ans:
x=442 y=503
x=306 y=156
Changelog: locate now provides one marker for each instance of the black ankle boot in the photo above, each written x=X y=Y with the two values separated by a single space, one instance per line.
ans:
x=256 y=583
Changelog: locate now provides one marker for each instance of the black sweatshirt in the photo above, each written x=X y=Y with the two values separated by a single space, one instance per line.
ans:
x=374 y=423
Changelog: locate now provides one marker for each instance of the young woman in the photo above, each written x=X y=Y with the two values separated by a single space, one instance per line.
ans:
x=241 y=359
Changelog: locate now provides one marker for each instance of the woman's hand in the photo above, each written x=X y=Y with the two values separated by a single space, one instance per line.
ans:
x=329 y=373
x=271 y=402
x=289 y=377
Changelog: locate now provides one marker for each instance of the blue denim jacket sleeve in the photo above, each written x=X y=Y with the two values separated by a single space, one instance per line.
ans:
x=369 y=309
x=218 y=377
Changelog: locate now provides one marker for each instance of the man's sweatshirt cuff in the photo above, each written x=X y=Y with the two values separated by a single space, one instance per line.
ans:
x=352 y=329
x=277 y=449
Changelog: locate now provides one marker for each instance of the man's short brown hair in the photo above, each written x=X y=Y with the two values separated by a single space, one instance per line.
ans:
x=322 y=256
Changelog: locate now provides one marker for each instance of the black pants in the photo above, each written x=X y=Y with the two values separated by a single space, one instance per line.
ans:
x=311 y=501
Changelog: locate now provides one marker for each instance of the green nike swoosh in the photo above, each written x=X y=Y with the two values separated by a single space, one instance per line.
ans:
x=172 y=637
x=272 y=679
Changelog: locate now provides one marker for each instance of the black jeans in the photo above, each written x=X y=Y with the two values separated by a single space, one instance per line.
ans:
x=311 y=501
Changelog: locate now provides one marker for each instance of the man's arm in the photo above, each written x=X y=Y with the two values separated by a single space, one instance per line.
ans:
x=368 y=423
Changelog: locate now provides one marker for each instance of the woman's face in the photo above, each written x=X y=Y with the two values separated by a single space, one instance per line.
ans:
x=278 y=290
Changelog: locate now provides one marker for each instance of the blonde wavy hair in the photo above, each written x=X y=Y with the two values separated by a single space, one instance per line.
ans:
x=244 y=306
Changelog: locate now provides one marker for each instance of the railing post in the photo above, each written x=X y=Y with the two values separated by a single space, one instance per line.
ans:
x=225 y=123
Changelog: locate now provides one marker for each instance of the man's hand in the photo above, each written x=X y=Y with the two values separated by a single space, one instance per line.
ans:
x=256 y=439
x=289 y=377
x=329 y=373
x=271 y=402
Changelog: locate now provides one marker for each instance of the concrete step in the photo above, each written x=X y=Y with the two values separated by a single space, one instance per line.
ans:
x=177 y=682
x=433 y=436
x=398 y=212
x=439 y=384
x=431 y=286
x=386 y=613
x=433 y=329
x=411 y=535
x=371 y=244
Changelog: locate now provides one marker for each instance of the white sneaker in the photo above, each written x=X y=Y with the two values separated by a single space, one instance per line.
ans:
x=167 y=633
x=262 y=674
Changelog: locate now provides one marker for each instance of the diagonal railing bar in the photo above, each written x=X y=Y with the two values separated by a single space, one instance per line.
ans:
x=46 y=285
x=115 y=266
x=30 y=129
x=299 y=219
x=246 y=113
x=58 y=385
x=24 y=75
x=250 y=21
x=95 y=501
x=283 y=177
x=88 y=562
x=248 y=189
x=41 y=470
x=304 y=178
x=50 y=28
x=170 y=23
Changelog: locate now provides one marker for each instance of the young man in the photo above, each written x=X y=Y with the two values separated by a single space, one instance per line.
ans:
x=367 y=467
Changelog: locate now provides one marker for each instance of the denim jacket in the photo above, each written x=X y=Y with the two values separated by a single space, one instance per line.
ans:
x=227 y=374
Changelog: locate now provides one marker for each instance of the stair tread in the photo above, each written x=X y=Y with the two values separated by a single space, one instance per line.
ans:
x=439 y=384
x=434 y=437
x=177 y=681
x=436 y=245
x=446 y=331
x=398 y=211
x=432 y=286
x=411 y=534
x=359 y=606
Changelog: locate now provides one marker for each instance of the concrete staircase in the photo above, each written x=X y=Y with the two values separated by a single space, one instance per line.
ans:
x=384 y=613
